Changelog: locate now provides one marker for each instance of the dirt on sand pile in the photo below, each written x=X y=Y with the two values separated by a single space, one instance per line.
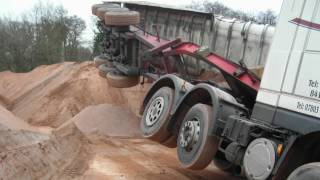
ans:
x=107 y=120
x=50 y=95
x=26 y=152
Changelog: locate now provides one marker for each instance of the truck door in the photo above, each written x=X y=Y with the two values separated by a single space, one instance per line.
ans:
x=301 y=85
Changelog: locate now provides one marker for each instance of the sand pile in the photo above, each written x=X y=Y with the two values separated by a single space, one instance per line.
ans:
x=26 y=152
x=107 y=120
x=50 y=95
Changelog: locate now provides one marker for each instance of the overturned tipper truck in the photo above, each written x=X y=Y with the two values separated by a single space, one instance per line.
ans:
x=205 y=101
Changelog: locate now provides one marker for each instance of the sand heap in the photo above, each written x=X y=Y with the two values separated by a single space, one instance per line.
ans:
x=50 y=95
x=43 y=135
x=28 y=152
x=63 y=121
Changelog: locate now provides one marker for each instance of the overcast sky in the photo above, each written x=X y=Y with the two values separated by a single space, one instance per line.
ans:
x=82 y=8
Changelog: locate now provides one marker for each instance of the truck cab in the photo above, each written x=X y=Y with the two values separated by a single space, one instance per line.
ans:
x=289 y=91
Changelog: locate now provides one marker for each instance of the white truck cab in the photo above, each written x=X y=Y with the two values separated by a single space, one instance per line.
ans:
x=291 y=80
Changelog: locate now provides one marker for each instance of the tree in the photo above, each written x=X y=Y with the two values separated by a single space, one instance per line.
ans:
x=218 y=8
x=267 y=17
x=46 y=35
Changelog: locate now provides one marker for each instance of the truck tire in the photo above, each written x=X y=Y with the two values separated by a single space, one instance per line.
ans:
x=122 y=18
x=195 y=146
x=226 y=166
x=222 y=164
x=156 y=115
x=171 y=142
x=309 y=171
x=99 y=60
x=95 y=7
x=104 y=69
x=103 y=10
x=118 y=80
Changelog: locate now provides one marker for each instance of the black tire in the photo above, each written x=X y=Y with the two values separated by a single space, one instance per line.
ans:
x=102 y=59
x=118 y=80
x=95 y=7
x=195 y=146
x=171 y=142
x=103 y=10
x=309 y=171
x=156 y=115
x=104 y=69
x=122 y=18
x=225 y=165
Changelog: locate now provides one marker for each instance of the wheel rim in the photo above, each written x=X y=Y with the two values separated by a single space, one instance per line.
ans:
x=154 y=111
x=189 y=134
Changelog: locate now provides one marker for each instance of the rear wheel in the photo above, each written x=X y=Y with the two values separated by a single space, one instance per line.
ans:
x=122 y=18
x=103 y=10
x=196 y=147
x=104 y=69
x=309 y=171
x=118 y=80
x=220 y=162
x=156 y=116
x=102 y=59
x=95 y=7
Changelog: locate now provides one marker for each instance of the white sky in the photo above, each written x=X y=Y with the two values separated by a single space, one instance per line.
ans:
x=82 y=8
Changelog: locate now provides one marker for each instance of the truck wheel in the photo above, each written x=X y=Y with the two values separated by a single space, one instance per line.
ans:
x=122 y=18
x=102 y=59
x=103 y=10
x=104 y=69
x=223 y=164
x=156 y=115
x=226 y=166
x=309 y=171
x=118 y=80
x=196 y=147
x=95 y=7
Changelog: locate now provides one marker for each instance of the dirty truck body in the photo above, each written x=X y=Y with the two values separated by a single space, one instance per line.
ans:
x=260 y=129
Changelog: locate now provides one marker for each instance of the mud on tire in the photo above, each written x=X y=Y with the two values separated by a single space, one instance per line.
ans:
x=95 y=7
x=103 y=10
x=104 y=69
x=102 y=59
x=122 y=18
x=118 y=80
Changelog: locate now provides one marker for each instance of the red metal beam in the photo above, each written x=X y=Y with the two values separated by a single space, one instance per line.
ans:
x=188 y=48
x=221 y=63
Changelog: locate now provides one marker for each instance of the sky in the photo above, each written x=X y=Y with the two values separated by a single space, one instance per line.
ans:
x=82 y=8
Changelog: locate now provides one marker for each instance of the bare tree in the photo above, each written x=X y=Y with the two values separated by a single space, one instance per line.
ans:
x=267 y=17
x=218 y=8
x=45 y=35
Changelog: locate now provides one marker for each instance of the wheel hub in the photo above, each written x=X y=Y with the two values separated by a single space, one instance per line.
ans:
x=154 y=111
x=189 y=134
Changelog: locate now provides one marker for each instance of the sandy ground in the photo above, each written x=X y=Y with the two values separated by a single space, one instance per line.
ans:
x=64 y=122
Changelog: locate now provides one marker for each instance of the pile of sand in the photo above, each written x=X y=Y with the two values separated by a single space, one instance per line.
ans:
x=34 y=105
x=63 y=121
x=50 y=95
x=107 y=120
x=30 y=153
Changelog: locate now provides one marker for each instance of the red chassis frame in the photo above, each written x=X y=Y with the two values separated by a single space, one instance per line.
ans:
x=241 y=81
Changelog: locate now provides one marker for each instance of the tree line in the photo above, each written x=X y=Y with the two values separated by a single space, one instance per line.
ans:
x=218 y=8
x=45 y=35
